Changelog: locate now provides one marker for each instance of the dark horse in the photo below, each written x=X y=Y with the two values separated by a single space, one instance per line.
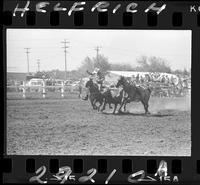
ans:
x=95 y=95
x=134 y=94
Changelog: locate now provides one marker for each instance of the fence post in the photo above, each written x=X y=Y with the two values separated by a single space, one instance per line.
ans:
x=43 y=90
x=24 y=90
x=62 y=89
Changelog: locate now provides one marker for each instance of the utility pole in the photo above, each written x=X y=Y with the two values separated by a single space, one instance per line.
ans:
x=65 y=42
x=97 y=48
x=27 y=54
x=38 y=64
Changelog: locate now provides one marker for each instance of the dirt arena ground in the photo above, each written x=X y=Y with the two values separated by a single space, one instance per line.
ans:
x=69 y=126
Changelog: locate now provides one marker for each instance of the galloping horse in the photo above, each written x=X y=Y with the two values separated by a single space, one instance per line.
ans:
x=134 y=94
x=95 y=95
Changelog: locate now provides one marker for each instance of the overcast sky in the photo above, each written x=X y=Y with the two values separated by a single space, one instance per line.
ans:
x=117 y=45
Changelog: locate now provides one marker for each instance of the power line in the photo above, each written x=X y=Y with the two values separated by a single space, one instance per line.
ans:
x=97 y=48
x=65 y=42
x=27 y=54
x=38 y=64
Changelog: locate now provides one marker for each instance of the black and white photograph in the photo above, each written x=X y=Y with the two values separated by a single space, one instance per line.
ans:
x=109 y=92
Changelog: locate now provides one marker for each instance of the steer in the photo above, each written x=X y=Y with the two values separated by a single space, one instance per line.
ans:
x=110 y=99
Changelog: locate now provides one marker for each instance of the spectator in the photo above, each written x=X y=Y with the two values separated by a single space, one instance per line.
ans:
x=80 y=87
x=148 y=79
x=141 y=80
x=137 y=78
x=163 y=79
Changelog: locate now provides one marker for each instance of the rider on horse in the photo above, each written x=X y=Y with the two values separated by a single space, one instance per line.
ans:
x=99 y=78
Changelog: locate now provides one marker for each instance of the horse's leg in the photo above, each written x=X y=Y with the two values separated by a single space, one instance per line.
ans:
x=98 y=108
x=146 y=108
x=115 y=108
x=104 y=106
x=101 y=102
x=125 y=107
x=94 y=104
x=95 y=101
x=145 y=104
x=91 y=101
x=109 y=103
x=123 y=102
x=127 y=101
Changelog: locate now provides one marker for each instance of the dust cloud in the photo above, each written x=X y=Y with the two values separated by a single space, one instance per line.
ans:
x=160 y=104
x=174 y=103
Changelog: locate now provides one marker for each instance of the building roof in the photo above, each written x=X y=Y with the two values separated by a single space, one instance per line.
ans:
x=127 y=73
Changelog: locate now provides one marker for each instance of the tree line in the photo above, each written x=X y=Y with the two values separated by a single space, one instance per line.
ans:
x=144 y=64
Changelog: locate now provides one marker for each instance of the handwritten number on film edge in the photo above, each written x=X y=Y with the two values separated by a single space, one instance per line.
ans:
x=110 y=176
x=90 y=173
x=42 y=171
x=63 y=174
x=141 y=178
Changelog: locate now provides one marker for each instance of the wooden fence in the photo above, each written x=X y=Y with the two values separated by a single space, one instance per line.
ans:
x=158 y=90
x=24 y=89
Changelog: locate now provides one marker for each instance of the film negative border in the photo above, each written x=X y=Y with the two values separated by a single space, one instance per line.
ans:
x=176 y=15
x=102 y=14
x=104 y=170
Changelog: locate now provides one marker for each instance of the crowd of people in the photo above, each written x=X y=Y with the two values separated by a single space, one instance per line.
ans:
x=163 y=78
x=163 y=84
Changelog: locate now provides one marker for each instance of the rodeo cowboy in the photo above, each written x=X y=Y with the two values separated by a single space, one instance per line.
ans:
x=99 y=78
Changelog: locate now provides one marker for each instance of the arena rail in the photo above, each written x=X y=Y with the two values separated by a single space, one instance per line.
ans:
x=158 y=90
x=24 y=88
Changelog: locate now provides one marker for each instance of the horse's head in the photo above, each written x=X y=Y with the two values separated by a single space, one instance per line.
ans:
x=89 y=83
x=121 y=81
